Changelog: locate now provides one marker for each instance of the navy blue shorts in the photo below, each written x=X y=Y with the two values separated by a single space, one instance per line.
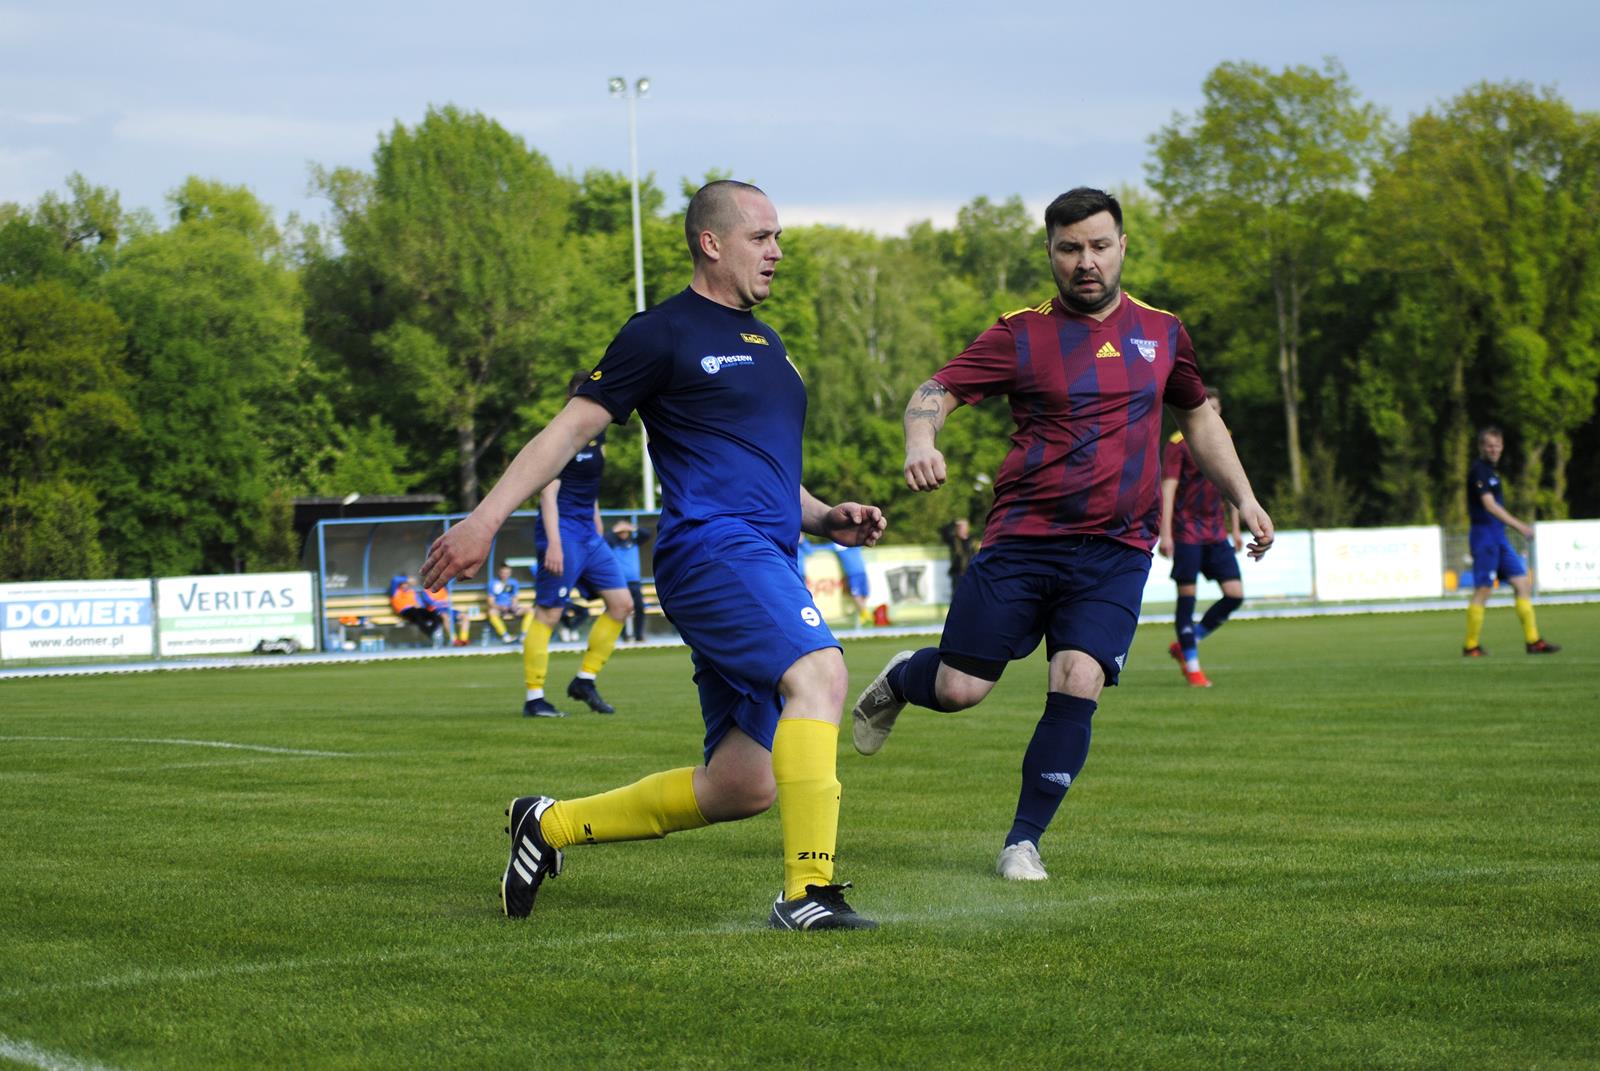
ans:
x=739 y=602
x=587 y=566
x=1494 y=556
x=1214 y=561
x=1081 y=593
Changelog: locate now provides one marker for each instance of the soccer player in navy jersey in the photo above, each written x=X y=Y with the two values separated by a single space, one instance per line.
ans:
x=1066 y=551
x=725 y=408
x=1195 y=536
x=572 y=552
x=1492 y=554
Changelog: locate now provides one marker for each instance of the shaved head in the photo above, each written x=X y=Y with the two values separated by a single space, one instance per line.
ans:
x=714 y=208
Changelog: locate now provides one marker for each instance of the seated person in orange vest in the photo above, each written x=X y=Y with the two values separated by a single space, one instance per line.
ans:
x=457 y=628
x=407 y=603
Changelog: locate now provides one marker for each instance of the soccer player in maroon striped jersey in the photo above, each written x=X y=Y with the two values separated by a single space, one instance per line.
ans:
x=1066 y=551
x=1195 y=537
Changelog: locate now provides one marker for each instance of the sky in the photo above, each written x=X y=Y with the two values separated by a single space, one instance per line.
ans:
x=872 y=115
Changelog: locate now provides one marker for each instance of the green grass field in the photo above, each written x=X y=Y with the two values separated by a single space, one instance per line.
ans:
x=1357 y=851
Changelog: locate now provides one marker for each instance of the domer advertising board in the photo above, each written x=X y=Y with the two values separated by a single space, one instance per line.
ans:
x=76 y=619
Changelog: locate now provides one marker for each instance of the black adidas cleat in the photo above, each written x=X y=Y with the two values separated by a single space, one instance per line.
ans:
x=821 y=908
x=541 y=708
x=532 y=859
x=583 y=690
x=1474 y=652
x=1542 y=647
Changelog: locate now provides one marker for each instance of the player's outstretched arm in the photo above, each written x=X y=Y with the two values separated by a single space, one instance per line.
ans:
x=925 y=415
x=1213 y=452
x=462 y=550
x=849 y=523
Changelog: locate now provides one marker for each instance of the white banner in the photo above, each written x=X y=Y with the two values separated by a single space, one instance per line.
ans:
x=1566 y=555
x=1378 y=563
x=1285 y=573
x=235 y=612
x=75 y=619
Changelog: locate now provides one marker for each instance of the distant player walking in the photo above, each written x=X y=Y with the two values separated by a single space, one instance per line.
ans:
x=725 y=409
x=1066 y=552
x=1492 y=554
x=1194 y=534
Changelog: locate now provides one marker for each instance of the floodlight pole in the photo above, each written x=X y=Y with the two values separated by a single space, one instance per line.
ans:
x=619 y=88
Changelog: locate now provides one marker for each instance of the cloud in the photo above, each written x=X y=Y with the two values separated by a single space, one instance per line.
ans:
x=241 y=132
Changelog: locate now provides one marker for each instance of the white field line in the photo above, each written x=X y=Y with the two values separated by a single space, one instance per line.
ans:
x=30 y=1055
x=186 y=743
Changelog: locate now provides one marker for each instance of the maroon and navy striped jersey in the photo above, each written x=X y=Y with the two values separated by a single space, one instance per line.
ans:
x=1197 y=515
x=1086 y=396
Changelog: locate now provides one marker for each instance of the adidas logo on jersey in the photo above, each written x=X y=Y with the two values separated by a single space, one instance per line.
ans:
x=1108 y=350
x=754 y=339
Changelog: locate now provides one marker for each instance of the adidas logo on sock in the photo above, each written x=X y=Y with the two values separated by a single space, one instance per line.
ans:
x=1062 y=779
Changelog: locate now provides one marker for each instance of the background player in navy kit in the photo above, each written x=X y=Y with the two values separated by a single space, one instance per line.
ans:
x=1066 y=552
x=1194 y=536
x=572 y=553
x=1492 y=554
x=725 y=409
x=503 y=592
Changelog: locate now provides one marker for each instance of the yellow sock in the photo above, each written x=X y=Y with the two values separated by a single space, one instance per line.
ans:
x=1474 y=625
x=1530 y=627
x=602 y=641
x=499 y=626
x=536 y=653
x=660 y=804
x=466 y=628
x=805 y=755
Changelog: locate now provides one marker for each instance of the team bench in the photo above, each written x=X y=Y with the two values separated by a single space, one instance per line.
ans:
x=356 y=618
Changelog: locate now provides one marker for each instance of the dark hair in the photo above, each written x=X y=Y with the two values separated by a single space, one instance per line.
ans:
x=576 y=381
x=712 y=209
x=1488 y=430
x=1079 y=203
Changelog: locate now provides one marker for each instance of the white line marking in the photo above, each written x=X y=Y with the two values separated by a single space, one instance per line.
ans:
x=31 y=1055
x=187 y=743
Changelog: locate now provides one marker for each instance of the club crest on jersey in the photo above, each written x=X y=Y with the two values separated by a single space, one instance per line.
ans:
x=1108 y=350
x=754 y=339
x=715 y=364
x=1147 y=348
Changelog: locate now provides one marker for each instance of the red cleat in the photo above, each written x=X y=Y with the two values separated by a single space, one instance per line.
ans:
x=1196 y=678
x=1474 y=652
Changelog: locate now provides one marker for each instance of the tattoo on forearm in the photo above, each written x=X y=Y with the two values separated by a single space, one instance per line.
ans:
x=928 y=403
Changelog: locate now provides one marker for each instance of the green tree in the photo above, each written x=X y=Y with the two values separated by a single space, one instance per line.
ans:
x=63 y=417
x=460 y=232
x=215 y=328
x=1263 y=185
x=1488 y=220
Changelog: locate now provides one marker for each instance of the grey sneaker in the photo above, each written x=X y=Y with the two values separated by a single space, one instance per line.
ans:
x=532 y=858
x=821 y=908
x=1021 y=862
x=876 y=709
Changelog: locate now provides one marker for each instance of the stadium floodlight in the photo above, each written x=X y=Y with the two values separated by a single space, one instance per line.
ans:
x=619 y=88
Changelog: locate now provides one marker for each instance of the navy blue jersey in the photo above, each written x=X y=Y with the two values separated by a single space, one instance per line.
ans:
x=1482 y=479
x=725 y=410
x=580 y=483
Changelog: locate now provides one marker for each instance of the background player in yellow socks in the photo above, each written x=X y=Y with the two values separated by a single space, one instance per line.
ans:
x=725 y=408
x=573 y=552
x=1492 y=554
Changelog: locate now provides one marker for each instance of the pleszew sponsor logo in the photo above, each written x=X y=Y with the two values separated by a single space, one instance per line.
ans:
x=715 y=364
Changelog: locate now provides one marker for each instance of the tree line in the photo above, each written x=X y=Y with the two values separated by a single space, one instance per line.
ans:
x=1365 y=294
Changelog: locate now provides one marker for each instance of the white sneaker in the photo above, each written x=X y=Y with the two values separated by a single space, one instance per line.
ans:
x=1020 y=862
x=876 y=710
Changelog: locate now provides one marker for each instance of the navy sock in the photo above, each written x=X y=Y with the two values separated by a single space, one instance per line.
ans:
x=1183 y=621
x=913 y=680
x=1218 y=613
x=1052 y=762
